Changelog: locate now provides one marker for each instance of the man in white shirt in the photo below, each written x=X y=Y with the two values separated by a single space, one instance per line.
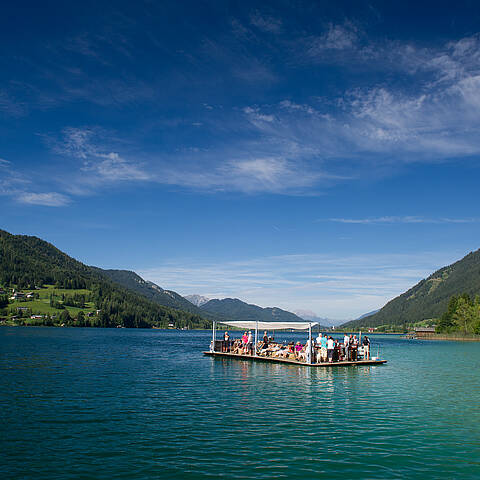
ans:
x=250 y=343
x=330 y=349
x=318 y=342
x=346 y=341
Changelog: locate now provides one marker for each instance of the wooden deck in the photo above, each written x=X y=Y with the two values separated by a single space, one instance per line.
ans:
x=294 y=362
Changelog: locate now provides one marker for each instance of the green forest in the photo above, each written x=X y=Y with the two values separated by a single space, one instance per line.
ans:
x=68 y=292
x=462 y=315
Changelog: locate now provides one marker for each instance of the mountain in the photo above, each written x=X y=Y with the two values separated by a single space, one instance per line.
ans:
x=150 y=290
x=310 y=316
x=429 y=298
x=197 y=300
x=30 y=262
x=235 y=309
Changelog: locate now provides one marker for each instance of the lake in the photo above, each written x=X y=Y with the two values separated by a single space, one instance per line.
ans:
x=145 y=404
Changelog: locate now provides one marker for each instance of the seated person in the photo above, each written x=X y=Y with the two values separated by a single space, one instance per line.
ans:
x=298 y=348
x=237 y=346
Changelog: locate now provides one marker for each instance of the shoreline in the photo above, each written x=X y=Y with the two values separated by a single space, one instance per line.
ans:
x=447 y=337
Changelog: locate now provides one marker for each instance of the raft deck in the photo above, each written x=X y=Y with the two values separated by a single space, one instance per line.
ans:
x=294 y=362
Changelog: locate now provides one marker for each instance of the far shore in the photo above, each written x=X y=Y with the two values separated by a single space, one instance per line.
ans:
x=450 y=337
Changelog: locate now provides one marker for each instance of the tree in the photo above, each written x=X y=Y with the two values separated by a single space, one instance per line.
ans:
x=3 y=301
x=81 y=319
x=65 y=317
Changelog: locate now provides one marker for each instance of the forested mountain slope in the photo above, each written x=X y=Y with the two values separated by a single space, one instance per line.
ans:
x=27 y=262
x=429 y=298
x=167 y=298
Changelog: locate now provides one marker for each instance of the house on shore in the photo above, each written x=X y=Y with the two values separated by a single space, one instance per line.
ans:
x=423 y=332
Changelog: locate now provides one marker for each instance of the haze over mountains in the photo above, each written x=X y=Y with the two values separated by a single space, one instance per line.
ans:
x=313 y=317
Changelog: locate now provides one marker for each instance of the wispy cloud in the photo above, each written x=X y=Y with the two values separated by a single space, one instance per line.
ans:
x=371 y=128
x=227 y=170
x=255 y=116
x=336 y=37
x=332 y=286
x=50 y=199
x=266 y=23
x=11 y=106
x=86 y=144
x=406 y=219
x=248 y=175
x=21 y=188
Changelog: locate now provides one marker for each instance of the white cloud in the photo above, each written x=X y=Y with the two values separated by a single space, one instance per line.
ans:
x=248 y=175
x=113 y=168
x=405 y=219
x=332 y=286
x=385 y=124
x=51 y=199
x=255 y=116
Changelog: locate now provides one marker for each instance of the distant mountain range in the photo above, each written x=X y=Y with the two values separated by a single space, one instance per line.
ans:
x=310 y=316
x=213 y=309
x=235 y=309
x=130 y=300
x=429 y=298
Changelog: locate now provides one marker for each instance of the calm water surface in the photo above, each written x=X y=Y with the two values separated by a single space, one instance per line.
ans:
x=141 y=404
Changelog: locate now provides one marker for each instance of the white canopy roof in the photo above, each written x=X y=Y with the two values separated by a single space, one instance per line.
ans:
x=251 y=325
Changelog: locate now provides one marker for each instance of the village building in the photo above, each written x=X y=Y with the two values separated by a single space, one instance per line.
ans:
x=422 y=332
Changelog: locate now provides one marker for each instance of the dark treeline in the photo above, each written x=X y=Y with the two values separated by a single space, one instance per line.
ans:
x=28 y=262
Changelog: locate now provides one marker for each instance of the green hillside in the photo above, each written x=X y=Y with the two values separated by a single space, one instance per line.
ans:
x=150 y=290
x=31 y=265
x=234 y=309
x=430 y=297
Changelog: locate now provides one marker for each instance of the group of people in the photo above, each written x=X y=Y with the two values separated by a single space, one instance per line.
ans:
x=243 y=345
x=331 y=350
x=323 y=349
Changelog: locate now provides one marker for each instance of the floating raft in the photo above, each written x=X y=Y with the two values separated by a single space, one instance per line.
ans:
x=294 y=362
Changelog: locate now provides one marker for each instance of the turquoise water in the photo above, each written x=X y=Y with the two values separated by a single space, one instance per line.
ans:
x=98 y=403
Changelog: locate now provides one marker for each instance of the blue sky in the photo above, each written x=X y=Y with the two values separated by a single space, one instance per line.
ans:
x=309 y=155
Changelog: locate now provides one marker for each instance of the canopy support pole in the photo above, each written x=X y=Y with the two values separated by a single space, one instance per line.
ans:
x=256 y=337
x=213 y=336
x=309 y=352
